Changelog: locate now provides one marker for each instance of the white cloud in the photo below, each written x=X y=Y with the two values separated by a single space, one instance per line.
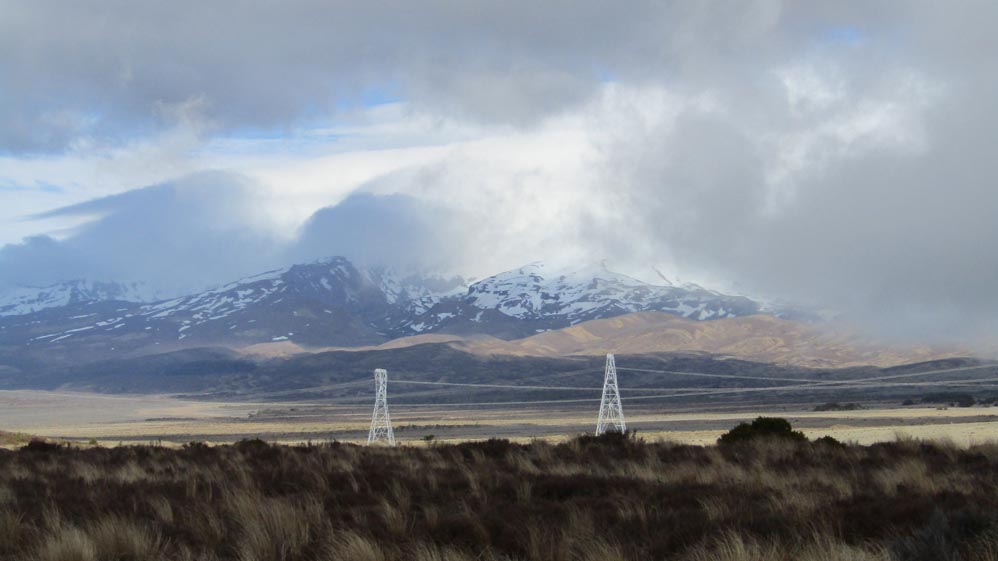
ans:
x=838 y=154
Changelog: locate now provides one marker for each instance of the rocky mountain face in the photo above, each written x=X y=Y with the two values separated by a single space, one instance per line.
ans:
x=334 y=303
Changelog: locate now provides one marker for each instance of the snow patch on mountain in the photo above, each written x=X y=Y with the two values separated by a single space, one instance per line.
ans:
x=415 y=292
x=21 y=300
x=333 y=302
x=562 y=296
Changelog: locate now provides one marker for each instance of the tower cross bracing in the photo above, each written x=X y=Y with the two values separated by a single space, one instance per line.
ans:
x=611 y=412
x=381 y=421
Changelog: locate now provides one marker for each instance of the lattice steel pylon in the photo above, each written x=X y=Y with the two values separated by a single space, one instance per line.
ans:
x=611 y=413
x=381 y=422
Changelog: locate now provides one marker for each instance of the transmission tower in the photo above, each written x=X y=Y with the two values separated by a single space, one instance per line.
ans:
x=611 y=413
x=381 y=423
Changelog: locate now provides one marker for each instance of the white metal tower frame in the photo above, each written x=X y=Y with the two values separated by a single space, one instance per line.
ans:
x=381 y=422
x=611 y=412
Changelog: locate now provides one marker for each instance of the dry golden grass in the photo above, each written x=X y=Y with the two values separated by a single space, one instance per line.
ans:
x=148 y=419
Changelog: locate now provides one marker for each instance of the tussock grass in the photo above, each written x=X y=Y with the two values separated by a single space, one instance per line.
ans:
x=613 y=498
x=116 y=537
x=66 y=544
x=822 y=547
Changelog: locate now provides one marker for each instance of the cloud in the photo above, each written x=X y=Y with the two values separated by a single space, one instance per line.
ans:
x=396 y=230
x=836 y=154
x=819 y=182
x=210 y=228
x=176 y=236
x=37 y=261
x=115 y=70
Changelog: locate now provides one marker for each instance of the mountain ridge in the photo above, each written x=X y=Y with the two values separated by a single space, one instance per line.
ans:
x=334 y=303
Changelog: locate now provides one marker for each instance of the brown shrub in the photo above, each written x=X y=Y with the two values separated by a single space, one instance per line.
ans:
x=608 y=498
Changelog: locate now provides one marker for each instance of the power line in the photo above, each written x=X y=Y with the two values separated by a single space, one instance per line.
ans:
x=815 y=383
x=524 y=387
x=477 y=403
x=876 y=381
x=499 y=386
x=562 y=388
x=706 y=392
x=710 y=375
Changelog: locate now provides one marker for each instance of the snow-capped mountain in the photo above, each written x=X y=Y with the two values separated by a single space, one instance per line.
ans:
x=540 y=297
x=326 y=302
x=536 y=291
x=334 y=303
x=22 y=300
x=414 y=293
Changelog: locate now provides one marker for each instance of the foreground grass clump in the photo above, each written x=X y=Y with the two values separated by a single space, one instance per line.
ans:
x=608 y=498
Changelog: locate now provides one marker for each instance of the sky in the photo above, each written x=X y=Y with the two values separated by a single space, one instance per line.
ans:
x=839 y=155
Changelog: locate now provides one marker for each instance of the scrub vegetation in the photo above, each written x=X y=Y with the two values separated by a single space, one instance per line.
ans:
x=607 y=498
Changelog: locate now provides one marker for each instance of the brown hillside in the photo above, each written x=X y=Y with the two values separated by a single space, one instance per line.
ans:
x=284 y=349
x=758 y=338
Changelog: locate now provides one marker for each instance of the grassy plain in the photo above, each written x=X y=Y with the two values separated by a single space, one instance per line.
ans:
x=143 y=419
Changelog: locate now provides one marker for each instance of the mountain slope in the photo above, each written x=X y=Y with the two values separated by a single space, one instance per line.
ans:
x=317 y=304
x=756 y=338
x=332 y=303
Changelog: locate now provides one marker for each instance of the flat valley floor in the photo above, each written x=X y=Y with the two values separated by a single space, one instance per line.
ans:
x=133 y=419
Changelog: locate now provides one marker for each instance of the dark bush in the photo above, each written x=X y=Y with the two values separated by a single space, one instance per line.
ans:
x=828 y=441
x=762 y=427
x=252 y=444
x=40 y=445
x=836 y=406
x=951 y=399
x=609 y=438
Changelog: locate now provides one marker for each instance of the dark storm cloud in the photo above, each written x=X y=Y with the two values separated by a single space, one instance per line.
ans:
x=204 y=229
x=396 y=230
x=887 y=212
x=175 y=236
x=105 y=70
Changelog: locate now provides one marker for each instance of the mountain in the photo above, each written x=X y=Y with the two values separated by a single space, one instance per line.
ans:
x=537 y=298
x=298 y=326
x=322 y=303
x=334 y=303
x=21 y=300
x=314 y=304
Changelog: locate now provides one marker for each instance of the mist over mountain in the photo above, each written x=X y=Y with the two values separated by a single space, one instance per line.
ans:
x=833 y=157
x=187 y=235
